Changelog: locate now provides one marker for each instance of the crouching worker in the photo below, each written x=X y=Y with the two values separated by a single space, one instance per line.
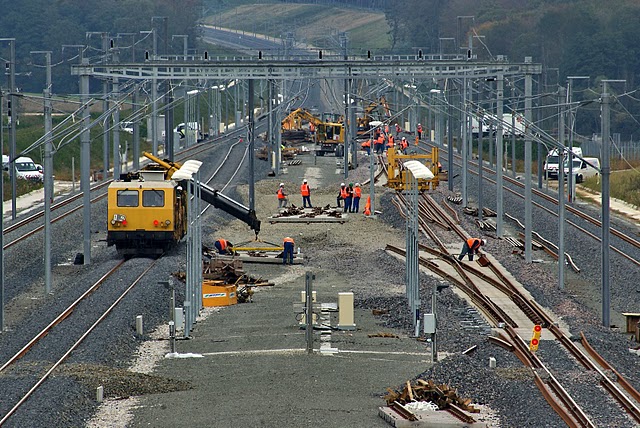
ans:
x=471 y=247
x=223 y=246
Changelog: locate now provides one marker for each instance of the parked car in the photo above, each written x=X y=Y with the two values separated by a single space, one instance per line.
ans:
x=27 y=169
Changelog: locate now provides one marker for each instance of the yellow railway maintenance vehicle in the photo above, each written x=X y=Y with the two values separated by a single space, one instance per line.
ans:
x=147 y=210
x=397 y=174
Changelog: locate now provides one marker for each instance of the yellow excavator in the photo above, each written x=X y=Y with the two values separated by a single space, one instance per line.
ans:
x=373 y=107
x=328 y=135
x=293 y=129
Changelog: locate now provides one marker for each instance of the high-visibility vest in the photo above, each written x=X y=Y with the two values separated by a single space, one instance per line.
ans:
x=391 y=141
x=312 y=127
x=366 y=143
x=473 y=243
x=386 y=129
x=281 y=194
x=287 y=239
x=223 y=244
x=357 y=192
x=404 y=144
x=304 y=189
x=344 y=192
x=380 y=139
x=419 y=128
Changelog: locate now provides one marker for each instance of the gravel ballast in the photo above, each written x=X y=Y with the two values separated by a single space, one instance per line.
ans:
x=289 y=388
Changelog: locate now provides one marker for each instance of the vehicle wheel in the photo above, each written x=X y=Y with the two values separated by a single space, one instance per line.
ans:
x=579 y=179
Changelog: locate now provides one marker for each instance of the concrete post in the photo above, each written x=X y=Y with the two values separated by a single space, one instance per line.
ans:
x=561 y=208
x=527 y=165
x=85 y=164
x=499 y=155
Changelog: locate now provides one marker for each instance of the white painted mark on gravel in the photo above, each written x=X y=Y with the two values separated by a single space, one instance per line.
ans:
x=187 y=355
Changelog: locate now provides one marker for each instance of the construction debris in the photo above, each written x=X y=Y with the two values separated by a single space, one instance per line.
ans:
x=391 y=335
x=218 y=272
x=296 y=214
x=297 y=211
x=441 y=395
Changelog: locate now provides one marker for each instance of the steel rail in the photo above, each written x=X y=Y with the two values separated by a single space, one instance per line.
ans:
x=204 y=146
x=54 y=207
x=453 y=213
x=530 y=359
x=537 y=315
x=605 y=365
x=460 y=414
x=41 y=227
x=555 y=255
x=574 y=211
x=403 y=411
x=569 y=208
x=64 y=314
x=80 y=340
x=580 y=228
x=493 y=312
x=553 y=200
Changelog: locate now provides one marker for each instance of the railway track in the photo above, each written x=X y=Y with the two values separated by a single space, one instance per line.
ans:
x=61 y=321
x=467 y=279
x=595 y=222
x=100 y=190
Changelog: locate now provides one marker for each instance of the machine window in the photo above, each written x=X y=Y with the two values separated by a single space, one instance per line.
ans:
x=127 y=198
x=153 y=198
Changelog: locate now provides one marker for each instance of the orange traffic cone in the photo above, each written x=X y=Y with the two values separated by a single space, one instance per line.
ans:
x=367 y=207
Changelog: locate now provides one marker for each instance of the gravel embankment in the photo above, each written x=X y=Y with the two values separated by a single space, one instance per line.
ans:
x=354 y=256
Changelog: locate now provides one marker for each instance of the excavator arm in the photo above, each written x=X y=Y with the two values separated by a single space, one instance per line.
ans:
x=293 y=121
x=212 y=196
x=228 y=205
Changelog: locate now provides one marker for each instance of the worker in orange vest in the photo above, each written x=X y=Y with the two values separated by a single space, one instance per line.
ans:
x=386 y=129
x=471 y=246
x=398 y=129
x=357 y=194
x=379 y=144
x=419 y=129
x=391 y=142
x=367 y=207
x=366 y=146
x=305 y=191
x=341 y=192
x=346 y=193
x=287 y=254
x=403 y=145
x=223 y=246
x=282 y=197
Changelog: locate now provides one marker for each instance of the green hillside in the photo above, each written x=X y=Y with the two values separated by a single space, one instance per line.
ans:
x=311 y=24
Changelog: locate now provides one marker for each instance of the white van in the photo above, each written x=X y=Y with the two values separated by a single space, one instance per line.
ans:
x=551 y=166
x=583 y=169
x=26 y=169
